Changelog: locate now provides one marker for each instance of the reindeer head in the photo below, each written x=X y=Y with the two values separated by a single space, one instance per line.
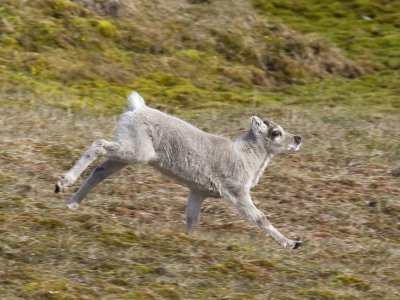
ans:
x=273 y=137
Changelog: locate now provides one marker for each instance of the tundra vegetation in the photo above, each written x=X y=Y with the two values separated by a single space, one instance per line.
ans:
x=327 y=70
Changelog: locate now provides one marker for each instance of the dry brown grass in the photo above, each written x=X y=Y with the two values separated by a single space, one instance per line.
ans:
x=339 y=194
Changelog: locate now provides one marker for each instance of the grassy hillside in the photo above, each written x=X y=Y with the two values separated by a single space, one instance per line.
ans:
x=366 y=30
x=178 y=54
x=328 y=72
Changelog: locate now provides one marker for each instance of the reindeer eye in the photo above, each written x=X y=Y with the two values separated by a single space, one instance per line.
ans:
x=276 y=134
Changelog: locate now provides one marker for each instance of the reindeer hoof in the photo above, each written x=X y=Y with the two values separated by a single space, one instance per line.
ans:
x=297 y=244
x=73 y=206
x=64 y=182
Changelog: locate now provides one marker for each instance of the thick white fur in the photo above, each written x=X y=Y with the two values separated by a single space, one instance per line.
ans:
x=210 y=165
x=135 y=101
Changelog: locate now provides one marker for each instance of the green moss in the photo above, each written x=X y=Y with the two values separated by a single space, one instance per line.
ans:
x=51 y=289
x=58 y=151
x=192 y=54
x=12 y=200
x=264 y=263
x=240 y=268
x=138 y=295
x=48 y=222
x=169 y=292
x=40 y=34
x=77 y=60
x=143 y=269
x=319 y=294
x=117 y=237
x=372 y=91
x=119 y=281
x=364 y=28
x=8 y=41
x=63 y=5
x=66 y=8
x=233 y=247
x=107 y=29
x=6 y=179
x=351 y=280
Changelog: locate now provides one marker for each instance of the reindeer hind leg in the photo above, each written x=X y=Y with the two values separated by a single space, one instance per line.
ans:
x=97 y=149
x=100 y=173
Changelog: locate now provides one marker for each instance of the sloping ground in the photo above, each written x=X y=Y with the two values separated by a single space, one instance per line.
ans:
x=366 y=30
x=339 y=194
x=189 y=55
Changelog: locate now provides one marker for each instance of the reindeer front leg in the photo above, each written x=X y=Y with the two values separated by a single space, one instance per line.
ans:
x=241 y=201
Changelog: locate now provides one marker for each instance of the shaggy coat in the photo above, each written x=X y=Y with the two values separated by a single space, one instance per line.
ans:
x=209 y=165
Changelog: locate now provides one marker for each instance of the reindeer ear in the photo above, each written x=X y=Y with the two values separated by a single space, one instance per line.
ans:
x=256 y=123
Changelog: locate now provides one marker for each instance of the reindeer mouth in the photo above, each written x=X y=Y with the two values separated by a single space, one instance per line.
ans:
x=295 y=147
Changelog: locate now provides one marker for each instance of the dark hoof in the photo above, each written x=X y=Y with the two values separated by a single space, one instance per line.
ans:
x=57 y=189
x=297 y=245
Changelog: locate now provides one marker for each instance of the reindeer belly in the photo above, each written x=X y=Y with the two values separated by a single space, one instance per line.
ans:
x=190 y=178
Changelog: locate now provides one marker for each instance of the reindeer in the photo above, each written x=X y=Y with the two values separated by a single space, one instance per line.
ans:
x=209 y=165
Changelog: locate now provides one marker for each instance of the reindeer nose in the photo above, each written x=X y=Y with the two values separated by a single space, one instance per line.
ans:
x=297 y=139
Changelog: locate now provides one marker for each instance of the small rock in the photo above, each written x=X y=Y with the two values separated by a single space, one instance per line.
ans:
x=366 y=18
